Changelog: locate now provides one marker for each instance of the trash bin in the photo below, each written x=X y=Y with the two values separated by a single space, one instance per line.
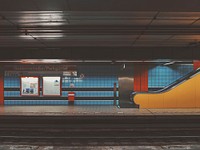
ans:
x=71 y=98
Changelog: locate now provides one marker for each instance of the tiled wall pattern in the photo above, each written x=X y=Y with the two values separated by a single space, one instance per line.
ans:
x=11 y=82
x=160 y=76
x=97 y=77
x=90 y=81
x=89 y=77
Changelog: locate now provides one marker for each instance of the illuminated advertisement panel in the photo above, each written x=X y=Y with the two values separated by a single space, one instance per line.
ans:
x=29 y=86
x=51 y=86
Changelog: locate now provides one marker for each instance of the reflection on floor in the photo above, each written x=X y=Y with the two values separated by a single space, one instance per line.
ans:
x=91 y=110
x=93 y=147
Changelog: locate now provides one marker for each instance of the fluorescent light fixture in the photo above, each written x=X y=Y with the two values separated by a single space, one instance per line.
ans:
x=44 y=35
x=26 y=37
x=49 y=35
x=166 y=62
x=101 y=61
x=141 y=61
x=153 y=61
x=40 y=61
x=73 y=61
x=169 y=63
x=128 y=61
x=10 y=61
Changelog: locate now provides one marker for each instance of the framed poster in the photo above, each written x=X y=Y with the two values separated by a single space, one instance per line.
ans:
x=29 y=86
x=51 y=86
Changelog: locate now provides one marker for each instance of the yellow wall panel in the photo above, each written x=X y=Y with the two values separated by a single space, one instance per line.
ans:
x=197 y=91
x=170 y=99
x=142 y=100
x=186 y=94
x=156 y=101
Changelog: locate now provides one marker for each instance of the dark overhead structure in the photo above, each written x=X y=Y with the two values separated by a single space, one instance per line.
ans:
x=99 y=52
x=100 y=29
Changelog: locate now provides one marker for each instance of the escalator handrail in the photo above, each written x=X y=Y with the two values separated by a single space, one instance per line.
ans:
x=172 y=85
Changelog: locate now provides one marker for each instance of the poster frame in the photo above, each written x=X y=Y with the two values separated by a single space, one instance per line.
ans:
x=52 y=94
x=37 y=86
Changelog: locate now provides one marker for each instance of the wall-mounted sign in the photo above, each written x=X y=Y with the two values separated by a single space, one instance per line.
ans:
x=51 y=86
x=70 y=73
x=39 y=67
x=29 y=86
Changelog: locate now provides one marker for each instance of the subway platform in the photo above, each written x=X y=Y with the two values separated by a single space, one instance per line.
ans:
x=99 y=125
x=91 y=111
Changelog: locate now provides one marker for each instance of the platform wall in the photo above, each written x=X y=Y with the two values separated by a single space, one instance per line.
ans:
x=93 y=86
x=96 y=85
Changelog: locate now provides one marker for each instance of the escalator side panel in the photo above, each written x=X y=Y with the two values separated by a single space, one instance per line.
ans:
x=156 y=101
x=182 y=96
x=186 y=94
x=197 y=91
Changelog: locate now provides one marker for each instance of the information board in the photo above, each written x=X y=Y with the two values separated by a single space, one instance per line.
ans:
x=29 y=86
x=51 y=86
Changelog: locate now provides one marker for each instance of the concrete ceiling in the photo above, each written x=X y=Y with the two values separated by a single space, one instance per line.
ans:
x=60 y=24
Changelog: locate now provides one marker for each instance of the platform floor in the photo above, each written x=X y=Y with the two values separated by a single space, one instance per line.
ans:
x=91 y=110
x=159 y=147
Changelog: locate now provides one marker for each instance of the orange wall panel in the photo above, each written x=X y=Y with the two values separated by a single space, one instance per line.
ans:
x=1 y=88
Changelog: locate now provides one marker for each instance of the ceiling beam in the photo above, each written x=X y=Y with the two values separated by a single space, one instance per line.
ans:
x=101 y=5
x=101 y=53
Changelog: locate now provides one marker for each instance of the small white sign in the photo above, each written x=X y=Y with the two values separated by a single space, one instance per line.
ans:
x=70 y=73
x=51 y=86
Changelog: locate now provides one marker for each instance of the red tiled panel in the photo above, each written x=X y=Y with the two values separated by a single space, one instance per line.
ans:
x=1 y=88
x=137 y=79
x=144 y=78
x=141 y=78
x=196 y=64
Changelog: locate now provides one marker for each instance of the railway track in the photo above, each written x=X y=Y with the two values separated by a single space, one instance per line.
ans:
x=100 y=131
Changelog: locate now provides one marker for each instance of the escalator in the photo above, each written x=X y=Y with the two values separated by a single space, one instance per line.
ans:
x=179 y=86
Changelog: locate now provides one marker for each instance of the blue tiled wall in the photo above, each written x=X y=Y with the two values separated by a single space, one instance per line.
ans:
x=11 y=82
x=94 y=77
x=12 y=93
x=58 y=102
x=91 y=93
x=161 y=76
x=36 y=102
x=94 y=102
x=91 y=81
